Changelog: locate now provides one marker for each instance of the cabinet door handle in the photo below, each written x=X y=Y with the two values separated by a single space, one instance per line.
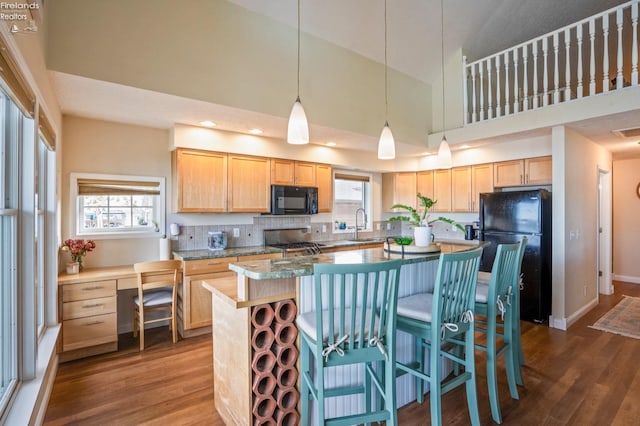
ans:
x=92 y=288
x=93 y=323
x=521 y=180
x=526 y=178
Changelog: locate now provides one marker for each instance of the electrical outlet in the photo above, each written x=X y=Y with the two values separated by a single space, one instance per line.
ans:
x=388 y=227
x=377 y=226
x=324 y=228
x=584 y=290
x=236 y=232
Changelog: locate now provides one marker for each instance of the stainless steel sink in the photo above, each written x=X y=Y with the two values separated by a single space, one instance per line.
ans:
x=366 y=240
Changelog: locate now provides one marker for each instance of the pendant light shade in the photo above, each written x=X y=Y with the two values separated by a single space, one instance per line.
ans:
x=444 y=155
x=386 y=145
x=298 y=130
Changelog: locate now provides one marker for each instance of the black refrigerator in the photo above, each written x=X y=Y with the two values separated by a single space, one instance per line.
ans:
x=506 y=217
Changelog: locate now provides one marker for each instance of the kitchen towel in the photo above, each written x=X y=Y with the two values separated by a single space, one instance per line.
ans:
x=165 y=248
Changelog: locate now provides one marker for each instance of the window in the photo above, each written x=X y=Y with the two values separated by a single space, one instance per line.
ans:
x=117 y=205
x=351 y=192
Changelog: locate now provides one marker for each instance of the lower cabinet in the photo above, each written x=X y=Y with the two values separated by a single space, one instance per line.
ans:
x=89 y=319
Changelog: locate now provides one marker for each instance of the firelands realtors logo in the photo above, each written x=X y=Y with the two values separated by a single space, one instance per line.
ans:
x=20 y=15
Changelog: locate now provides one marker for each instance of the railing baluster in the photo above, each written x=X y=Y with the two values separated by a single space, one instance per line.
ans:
x=579 y=38
x=605 y=54
x=474 y=117
x=481 y=79
x=556 y=71
x=592 y=57
x=465 y=90
x=567 y=67
x=489 y=90
x=634 y=49
x=498 y=82
x=516 y=99
x=545 y=72
x=507 y=100
x=534 y=51
x=619 y=78
x=525 y=80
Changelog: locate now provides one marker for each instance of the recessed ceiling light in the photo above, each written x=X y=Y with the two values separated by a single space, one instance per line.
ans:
x=208 y=123
x=465 y=146
x=255 y=131
x=331 y=144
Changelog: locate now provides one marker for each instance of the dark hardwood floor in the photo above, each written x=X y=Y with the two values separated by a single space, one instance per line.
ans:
x=578 y=377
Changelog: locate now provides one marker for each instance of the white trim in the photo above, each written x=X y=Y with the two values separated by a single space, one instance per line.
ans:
x=29 y=405
x=565 y=323
x=559 y=323
x=626 y=278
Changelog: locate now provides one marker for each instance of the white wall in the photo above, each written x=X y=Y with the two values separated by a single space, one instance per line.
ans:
x=626 y=220
x=575 y=229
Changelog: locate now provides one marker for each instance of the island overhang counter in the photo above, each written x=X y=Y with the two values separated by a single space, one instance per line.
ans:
x=255 y=347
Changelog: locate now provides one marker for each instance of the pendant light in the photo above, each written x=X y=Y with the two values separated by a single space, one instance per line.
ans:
x=386 y=145
x=444 y=153
x=298 y=129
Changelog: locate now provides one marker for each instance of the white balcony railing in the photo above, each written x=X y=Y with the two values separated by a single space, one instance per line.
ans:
x=592 y=56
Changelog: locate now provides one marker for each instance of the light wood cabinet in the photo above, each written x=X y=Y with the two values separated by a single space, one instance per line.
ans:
x=324 y=181
x=481 y=181
x=249 y=189
x=442 y=190
x=398 y=188
x=283 y=172
x=305 y=174
x=460 y=189
x=200 y=181
x=530 y=171
x=88 y=316
x=424 y=183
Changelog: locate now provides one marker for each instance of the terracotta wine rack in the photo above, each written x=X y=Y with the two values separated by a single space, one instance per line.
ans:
x=274 y=358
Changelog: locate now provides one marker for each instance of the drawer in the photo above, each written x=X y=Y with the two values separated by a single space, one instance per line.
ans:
x=88 y=290
x=208 y=265
x=260 y=256
x=89 y=307
x=89 y=331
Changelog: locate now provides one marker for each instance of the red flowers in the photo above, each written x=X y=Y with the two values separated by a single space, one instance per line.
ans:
x=78 y=248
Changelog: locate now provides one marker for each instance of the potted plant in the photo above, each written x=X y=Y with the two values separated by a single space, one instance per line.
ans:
x=419 y=218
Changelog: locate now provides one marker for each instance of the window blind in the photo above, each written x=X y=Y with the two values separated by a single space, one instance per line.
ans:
x=117 y=187
x=47 y=130
x=356 y=178
x=15 y=83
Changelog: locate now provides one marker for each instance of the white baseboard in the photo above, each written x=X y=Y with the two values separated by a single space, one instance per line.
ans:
x=627 y=278
x=564 y=323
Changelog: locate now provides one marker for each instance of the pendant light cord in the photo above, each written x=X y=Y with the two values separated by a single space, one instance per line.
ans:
x=442 y=62
x=386 y=104
x=298 y=89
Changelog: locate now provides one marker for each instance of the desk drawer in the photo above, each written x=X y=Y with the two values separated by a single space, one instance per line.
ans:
x=89 y=307
x=90 y=331
x=88 y=290
x=208 y=265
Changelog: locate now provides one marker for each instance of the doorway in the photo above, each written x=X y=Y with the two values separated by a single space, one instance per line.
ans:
x=604 y=233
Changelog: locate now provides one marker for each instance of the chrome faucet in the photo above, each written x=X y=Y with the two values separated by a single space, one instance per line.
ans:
x=364 y=216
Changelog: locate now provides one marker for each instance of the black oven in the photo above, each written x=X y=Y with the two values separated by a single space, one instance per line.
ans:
x=294 y=199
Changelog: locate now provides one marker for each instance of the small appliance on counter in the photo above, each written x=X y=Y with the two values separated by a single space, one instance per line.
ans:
x=217 y=240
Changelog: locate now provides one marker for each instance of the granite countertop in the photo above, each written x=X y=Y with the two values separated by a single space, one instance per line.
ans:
x=303 y=265
x=230 y=252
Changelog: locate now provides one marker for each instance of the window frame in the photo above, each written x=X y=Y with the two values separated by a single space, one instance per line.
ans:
x=131 y=232
x=366 y=201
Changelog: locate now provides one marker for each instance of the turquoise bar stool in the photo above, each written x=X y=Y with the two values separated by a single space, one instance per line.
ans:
x=353 y=322
x=483 y=284
x=442 y=322
x=494 y=301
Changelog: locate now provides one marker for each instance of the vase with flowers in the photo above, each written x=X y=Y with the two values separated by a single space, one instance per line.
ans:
x=77 y=249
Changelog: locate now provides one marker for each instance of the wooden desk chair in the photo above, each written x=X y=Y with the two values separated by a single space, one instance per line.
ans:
x=157 y=288
x=483 y=283
x=442 y=322
x=493 y=301
x=353 y=323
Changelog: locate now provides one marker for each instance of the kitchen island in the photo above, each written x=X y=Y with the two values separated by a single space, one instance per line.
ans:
x=255 y=350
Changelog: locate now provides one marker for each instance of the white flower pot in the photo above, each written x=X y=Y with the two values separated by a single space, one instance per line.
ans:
x=422 y=236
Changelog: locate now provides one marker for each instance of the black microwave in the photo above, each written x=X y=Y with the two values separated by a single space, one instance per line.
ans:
x=294 y=199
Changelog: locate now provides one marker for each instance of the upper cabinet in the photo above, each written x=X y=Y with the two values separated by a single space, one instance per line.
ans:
x=530 y=171
x=424 y=183
x=398 y=188
x=442 y=190
x=249 y=189
x=200 y=181
x=290 y=172
x=461 y=189
x=324 y=181
x=481 y=181
x=305 y=174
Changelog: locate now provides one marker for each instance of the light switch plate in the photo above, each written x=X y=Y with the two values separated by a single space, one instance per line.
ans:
x=236 y=232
